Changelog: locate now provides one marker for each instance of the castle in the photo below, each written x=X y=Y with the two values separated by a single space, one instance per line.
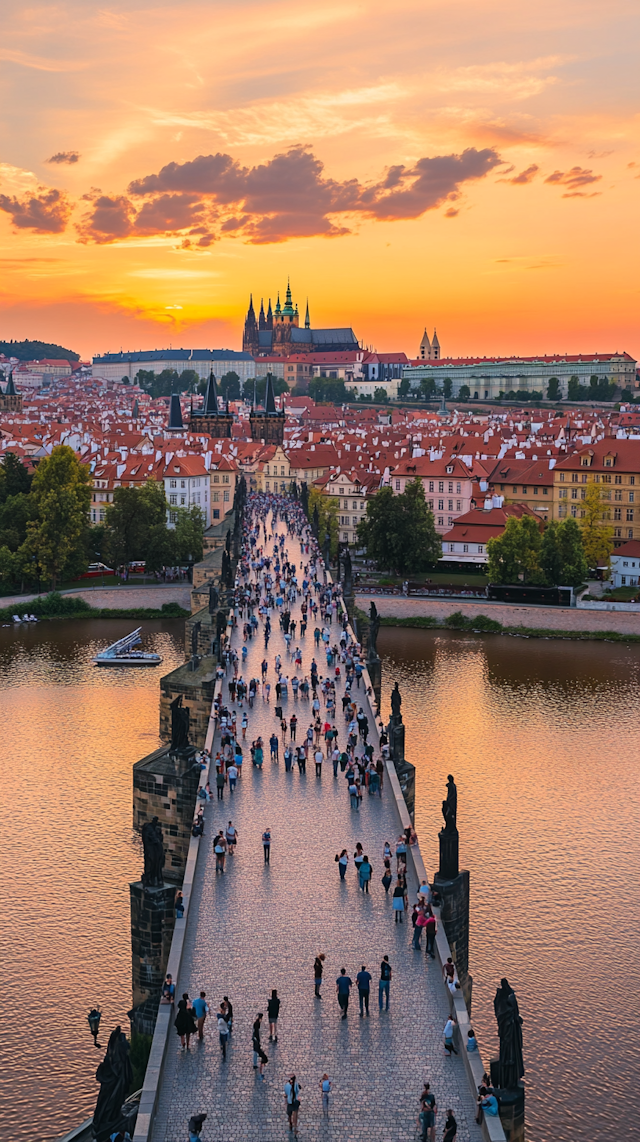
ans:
x=278 y=333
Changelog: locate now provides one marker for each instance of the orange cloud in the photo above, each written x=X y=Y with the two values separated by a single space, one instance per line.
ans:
x=45 y=212
x=573 y=178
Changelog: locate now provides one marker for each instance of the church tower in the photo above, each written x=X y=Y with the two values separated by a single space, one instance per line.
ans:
x=212 y=418
x=250 y=341
x=425 y=346
x=262 y=321
x=267 y=424
x=435 y=347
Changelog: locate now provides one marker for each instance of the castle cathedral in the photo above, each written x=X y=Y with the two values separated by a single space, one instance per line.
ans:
x=278 y=333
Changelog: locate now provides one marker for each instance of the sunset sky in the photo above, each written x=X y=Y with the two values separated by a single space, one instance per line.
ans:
x=469 y=165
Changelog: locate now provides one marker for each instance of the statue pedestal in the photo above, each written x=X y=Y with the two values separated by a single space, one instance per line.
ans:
x=453 y=887
x=511 y=1103
x=152 y=923
x=374 y=667
x=405 y=770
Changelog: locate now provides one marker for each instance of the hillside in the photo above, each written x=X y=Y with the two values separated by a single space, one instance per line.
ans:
x=37 y=351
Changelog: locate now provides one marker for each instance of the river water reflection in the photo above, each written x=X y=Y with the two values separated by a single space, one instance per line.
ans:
x=70 y=733
x=542 y=737
x=543 y=740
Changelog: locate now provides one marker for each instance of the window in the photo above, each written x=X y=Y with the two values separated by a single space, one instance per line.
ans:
x=430 y=485
x=632 y=479
x=623 y=580
x=216 y=513
x=354 y=505
x=226 y=497
x=631 y=497
x=617 y=496
x=452 y=547
x=574 y=511
x=524 y=490
x=173 y=499
x=216 y=476
x=574 y=493
x=465 y=547
x=216 y=497
x=441 y=486
x=430 y=505
x=458 y=488
x=608 y=461
x=545 y=491
x=574 y=478
x=101 y=515
x=480 y=549
x=515 y=488
x=606 y=479
x=173 y=517
x=450 y=505
x=562 y=511
x=267 y=469
x=617 y=531
x=397 y=485
x=183 y=484
x=440 y=505
x=629 y=515
x=282 y=469
x=450 y=485
x=225 y=479
x=450 y=521
x=535 y=492
x=584 y=478
x=617 y=479
x=630 y=534
x=440 y=521
x=172 y=484
x=183 y=500
x=562 y=477
x=563 y=493
x=583 y=493
x=458 y=505
x=617 y=514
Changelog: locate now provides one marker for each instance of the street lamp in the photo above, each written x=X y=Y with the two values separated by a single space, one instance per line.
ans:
x=94 y=1018
x=101 y=567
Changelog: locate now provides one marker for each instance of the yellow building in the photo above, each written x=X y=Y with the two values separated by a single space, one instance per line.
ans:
x=616 y=465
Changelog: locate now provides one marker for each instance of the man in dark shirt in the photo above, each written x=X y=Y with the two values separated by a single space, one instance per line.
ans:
x=385 y=979
x=450 y=1127
x=343 y=986
x=363 y=980
x=318 y=969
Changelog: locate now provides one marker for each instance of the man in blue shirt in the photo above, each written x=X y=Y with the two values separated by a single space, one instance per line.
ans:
x=363 y=980
x=200 y=1010
x=343 y=987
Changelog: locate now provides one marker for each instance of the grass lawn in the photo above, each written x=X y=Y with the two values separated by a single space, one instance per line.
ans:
x=437 y=578
x=622 y=594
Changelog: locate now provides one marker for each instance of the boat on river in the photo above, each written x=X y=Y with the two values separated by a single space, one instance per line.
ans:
x=123 y=653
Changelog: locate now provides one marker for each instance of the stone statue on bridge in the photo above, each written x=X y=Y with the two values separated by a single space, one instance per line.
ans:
x=509 y=1020
x=214 y=598
x=450 y=806
x=374 y=627
x=153 y=846
x=195 y=633
x=396 y=702
x=179 y=723
x=115 y=1075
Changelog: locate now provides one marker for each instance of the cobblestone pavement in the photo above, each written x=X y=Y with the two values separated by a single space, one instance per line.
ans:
x=546 y=618
x=260 y=926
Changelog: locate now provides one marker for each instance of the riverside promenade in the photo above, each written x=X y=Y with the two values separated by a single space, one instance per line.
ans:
x=259 y=926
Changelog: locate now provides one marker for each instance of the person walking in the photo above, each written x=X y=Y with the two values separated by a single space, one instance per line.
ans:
x=255 y=1040
x=232 y=774
x=200 y=1010
x=226 y=1008
x=420 y=924
x=266 y=845
x=385 y=980
x=450 y=1127
x=363 y=980
x=292 y=1096
x=343 y=861
x=325 y=1087
x=274 y=745
x=387 y=878
x=343 y=987
x=318 y=758
x=398 y=901
x=220 y=849
x=428 y=1114
x=223 y=1032
x=184 y=1023
x=364 y=874
x=220 y=784
x=318 y=968
x=449 y=1032
x=431 y=927
x=231 y=837
x=353 y=795
x=273 y=1010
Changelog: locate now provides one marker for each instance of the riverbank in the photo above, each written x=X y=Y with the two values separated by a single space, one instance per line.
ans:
x=499 y=618
x=166 y=603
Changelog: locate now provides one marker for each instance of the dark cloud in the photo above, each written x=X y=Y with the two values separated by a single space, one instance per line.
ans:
x=451 y=212
x=109 y=219
x=169 y=212
x=574 y=178
x=46 y=212
x=427 y=184
x=524 y=177
x=64 y=157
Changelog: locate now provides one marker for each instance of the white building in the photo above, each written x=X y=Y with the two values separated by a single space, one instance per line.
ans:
x=625 y=565
x=115 y=366
x=186 y=482
x=488 y=377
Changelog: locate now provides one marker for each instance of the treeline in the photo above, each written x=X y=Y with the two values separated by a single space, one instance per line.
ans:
x=46 y=536
x=229 y=385
x=36 y=351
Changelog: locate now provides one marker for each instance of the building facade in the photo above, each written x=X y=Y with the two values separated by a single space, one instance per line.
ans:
x=487 y=378
x=450 y=485
x=615 y=466
x=115 y=366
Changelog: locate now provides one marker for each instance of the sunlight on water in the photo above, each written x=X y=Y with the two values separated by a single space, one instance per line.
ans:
x=70 y=734
x=542 y=738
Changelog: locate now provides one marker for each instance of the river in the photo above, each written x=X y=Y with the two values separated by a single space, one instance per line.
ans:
x=542 y=737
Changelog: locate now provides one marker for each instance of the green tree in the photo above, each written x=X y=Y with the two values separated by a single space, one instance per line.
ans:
x=327 y=390
x=427 y=387
x=145 y=378
x=130 y=518
x=327 y=517
x=404 y=387
x=464 y=392
x=399 y=531
x=14 y=477
x=62 y=495
x=514 y=555
x=229 y=386
x=553 y=389
x=380 y=396
x=189 y=529
x=562 y=554
x=16 y=513
x=597 y=535
x=124 y=380
x=447 y=387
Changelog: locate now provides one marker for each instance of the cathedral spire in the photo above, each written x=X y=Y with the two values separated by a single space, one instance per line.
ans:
x=307 y=320
x=262 y=321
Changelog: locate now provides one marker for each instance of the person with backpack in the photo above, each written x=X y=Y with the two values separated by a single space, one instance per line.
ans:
x=266 y=844
x=292 y=1096
x=385 y=980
